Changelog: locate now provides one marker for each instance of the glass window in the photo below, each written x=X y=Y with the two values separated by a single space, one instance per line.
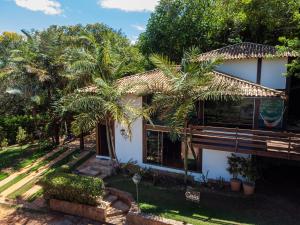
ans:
x=229 y=114
x=162 y=150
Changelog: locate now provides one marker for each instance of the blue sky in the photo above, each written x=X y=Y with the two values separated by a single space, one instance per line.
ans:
x=130 y=16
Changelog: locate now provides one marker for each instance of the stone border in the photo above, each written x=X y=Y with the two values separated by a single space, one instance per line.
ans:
x=76 y=209
x=135 y=217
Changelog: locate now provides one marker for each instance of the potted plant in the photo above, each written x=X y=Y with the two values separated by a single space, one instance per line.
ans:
x=234 y=168
x=249 y=173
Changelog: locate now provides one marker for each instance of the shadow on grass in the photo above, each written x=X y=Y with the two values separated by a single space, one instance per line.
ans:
x=18 y=157
x=212 y=209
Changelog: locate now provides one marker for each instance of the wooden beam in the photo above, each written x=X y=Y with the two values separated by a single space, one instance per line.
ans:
x=258 y=72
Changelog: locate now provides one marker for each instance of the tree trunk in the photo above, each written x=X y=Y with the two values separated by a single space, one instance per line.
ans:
x=108 y=140
x=81 y=140
x=185 y=152
x=112 y=143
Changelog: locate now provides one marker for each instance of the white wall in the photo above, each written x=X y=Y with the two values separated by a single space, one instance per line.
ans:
x=243 y=68
x=127 y=149
x=215 y=162
x=272 y=73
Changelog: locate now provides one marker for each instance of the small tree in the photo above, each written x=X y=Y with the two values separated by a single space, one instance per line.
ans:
x=234 y=165
x=21 y=136
x=249 y=170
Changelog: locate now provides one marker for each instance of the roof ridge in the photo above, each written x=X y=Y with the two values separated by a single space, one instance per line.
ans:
x=138 y=74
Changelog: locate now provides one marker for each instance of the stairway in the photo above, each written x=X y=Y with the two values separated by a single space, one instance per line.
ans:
x=97 y=167
x=116 y=210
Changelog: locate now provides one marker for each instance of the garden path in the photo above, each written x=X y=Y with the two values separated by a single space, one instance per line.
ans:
x=29 y=167
x=35 y=174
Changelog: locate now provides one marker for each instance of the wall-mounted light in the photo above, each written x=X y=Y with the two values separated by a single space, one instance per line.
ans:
x=124 y=133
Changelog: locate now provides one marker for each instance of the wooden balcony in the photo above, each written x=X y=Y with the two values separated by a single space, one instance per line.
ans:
x=256 y=142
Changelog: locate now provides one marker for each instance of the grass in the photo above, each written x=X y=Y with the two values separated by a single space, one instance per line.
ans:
x=13 y=181
x=17 y=157
x=36 y=195
x=33 y=169
x=3 y=175
x=213 y=208
x=54 y=168
x=81 y=161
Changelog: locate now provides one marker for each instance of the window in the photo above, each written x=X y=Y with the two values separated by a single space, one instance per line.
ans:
x=229 y=114
x=163 y=151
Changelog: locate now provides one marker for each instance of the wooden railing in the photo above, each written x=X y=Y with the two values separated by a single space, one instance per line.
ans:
x=257 y=142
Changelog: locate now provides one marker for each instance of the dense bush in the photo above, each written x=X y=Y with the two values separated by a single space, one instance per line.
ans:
x=11 y=124
x=73 y=188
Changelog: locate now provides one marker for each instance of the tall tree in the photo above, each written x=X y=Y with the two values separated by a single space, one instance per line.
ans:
x=177 y=25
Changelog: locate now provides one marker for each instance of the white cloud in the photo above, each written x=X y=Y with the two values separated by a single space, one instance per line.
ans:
x=129 y=5
x=139 y=27
x=49 y=7
x=133 y=39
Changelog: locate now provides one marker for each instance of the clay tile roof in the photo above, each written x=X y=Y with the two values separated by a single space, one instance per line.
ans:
x=245 y=50
x=154 y=80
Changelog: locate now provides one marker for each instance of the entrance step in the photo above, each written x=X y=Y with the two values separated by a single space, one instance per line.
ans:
x=113 y=212
x=120 y=205
x=110 y=199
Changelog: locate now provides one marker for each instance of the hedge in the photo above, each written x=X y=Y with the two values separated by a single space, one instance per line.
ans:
x=73 y=188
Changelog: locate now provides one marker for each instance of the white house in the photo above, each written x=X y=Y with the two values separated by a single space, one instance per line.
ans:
x=251 y=127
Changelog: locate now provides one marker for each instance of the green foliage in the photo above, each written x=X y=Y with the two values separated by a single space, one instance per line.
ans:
x=234 y=165
x=249 y=169
x=21 y=136
x=292 y=45
x=17 y=157
x=11 y=124
x=176 y=25
x=73 y=188
x=4 y=143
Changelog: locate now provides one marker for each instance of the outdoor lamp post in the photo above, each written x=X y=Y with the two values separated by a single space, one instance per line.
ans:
x=137 y=179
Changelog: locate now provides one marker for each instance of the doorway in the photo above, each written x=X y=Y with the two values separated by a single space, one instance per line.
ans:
x=102 y=146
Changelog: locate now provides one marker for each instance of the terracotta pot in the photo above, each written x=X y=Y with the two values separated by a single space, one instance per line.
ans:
x=248 y=188
x=235 y=184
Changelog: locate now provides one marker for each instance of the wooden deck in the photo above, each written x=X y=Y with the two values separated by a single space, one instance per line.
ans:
x=283 y=145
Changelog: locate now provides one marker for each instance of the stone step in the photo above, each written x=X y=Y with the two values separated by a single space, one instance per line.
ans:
x=110 y=199
x=104 y=162
x=111 y=211
x=120 y=205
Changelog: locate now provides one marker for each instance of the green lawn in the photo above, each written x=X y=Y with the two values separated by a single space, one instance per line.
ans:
x=17 y=157
x=213 y=208
x=54 y=168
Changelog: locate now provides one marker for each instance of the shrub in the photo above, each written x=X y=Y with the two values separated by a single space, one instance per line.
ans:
x=234 y=165
x=21 y=135
x=73 y=188
x=249 y=170
x=4 y=143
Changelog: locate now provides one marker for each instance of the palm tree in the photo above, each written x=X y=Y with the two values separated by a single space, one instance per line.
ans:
x=101 y=104
x=36 y=70
x=190 y=83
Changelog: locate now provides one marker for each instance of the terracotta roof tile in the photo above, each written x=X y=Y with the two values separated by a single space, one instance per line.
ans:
x=155 y=80
x=245 y=50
